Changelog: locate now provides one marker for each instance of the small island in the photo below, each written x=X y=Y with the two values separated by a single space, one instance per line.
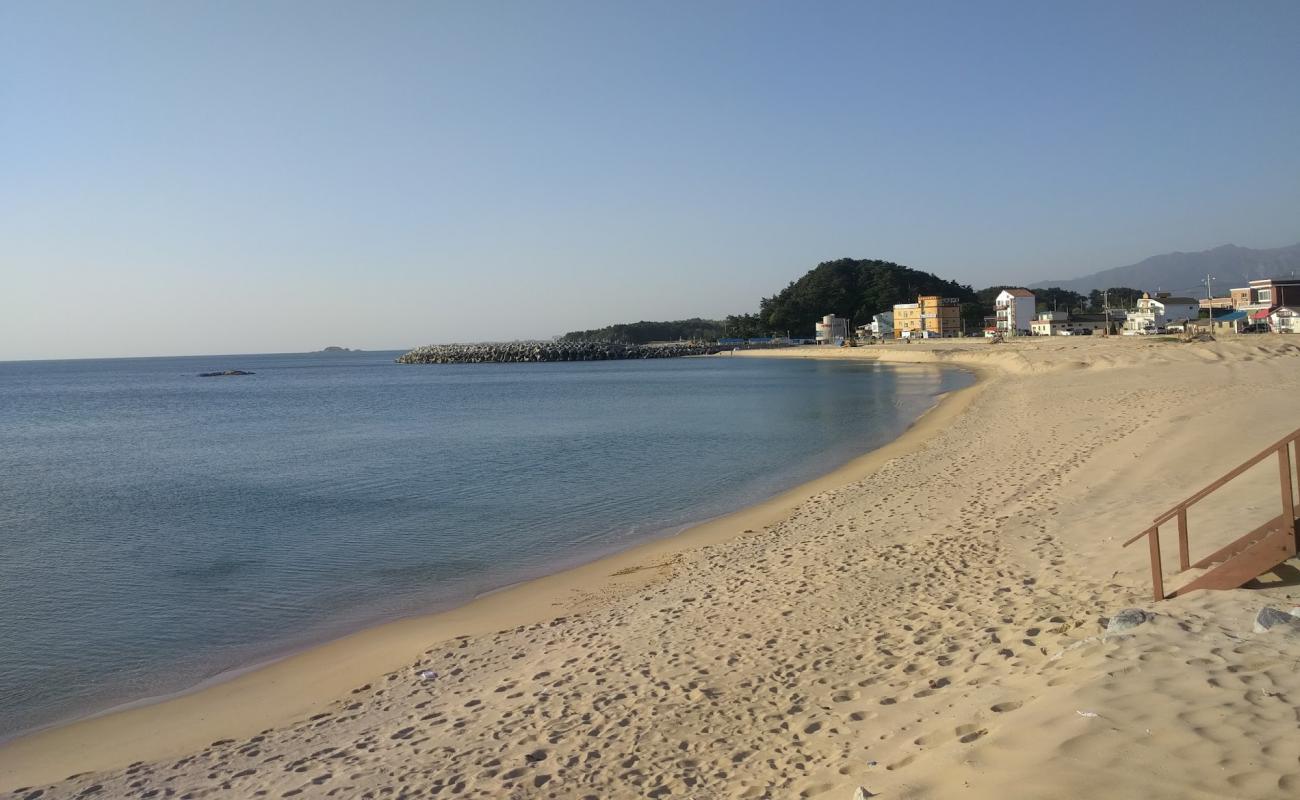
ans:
x=337 y=349
x=225 y=373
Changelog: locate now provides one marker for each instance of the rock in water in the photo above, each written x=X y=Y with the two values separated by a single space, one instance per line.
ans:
x=1126 y=620
x=1270 y=618
x=224 y=374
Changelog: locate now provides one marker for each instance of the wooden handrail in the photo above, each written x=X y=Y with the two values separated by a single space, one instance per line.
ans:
x=1139 y=536
x=1282 y=449
x=1202 y=494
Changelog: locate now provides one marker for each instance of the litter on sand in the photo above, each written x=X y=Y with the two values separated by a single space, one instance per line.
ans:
x=1088 y=714
x=427 y=674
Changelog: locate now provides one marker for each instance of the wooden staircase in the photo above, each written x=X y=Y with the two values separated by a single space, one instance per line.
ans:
x=1248 y=557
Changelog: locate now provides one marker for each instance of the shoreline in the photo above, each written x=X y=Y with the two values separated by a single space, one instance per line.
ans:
x=241 y=702
x=937 y=628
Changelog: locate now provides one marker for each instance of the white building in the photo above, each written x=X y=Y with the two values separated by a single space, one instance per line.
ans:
x=1015 y=311
x=1154 y=314
x=1286 y=320
x=882 y=325
x=1060 y=323
x=832 y=329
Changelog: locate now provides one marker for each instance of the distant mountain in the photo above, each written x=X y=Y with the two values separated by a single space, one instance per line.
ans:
x=1183 y=273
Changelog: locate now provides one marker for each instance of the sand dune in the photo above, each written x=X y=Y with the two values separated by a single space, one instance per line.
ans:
x=925 y=624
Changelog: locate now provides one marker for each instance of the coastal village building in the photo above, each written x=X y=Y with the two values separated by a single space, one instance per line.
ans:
x=832 y=330
x=1286 y=320
x=1155 y=314
x=1263 y=297
x=1267 y=293
x=1060 y=323
x=931 y=316
x=1232 y=322
x=1014 y=311
x=881 y=325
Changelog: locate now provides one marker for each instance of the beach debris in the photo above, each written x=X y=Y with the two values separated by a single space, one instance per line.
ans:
x=1075 y=646
x=1126 y=620
x=427 y=675
x=1270 y=618
x=1088 y=714
x=861 y=794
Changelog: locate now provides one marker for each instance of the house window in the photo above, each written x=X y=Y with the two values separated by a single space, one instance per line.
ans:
x=1264 y=296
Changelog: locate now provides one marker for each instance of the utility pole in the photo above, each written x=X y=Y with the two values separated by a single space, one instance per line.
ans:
x=1209 y=299
x=1105 y=310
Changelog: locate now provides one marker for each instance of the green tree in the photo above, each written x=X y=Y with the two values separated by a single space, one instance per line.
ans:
x=854 y=289
x=1057 y=299
x=1123 y=296
x=643 y=332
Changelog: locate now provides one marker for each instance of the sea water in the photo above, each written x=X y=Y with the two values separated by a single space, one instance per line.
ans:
x=159 y=528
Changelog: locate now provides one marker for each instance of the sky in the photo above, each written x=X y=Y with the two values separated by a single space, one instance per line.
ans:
x=234 y=177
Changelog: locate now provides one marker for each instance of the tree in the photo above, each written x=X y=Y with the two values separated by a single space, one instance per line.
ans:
x=643 y=332
x=1123 y=296
x=854 y=289
x=744 y=326
x=1057 y=299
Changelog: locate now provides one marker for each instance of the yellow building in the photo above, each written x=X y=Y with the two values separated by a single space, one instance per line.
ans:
x=930 y=316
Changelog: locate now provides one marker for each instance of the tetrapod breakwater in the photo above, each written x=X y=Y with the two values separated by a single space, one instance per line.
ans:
x=523 y=352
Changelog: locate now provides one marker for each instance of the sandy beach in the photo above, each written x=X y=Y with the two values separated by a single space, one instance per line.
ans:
x=924 y=622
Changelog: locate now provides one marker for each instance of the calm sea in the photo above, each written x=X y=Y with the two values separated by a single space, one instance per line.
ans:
x=159 y=529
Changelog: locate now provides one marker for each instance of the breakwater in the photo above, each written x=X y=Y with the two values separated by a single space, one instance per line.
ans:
x=518 y=352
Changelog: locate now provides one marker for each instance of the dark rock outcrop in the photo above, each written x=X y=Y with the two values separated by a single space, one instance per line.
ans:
x=224 y=374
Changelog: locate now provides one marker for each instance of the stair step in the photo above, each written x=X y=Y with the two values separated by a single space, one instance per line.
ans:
x=1252 y=559
x=1224 y=553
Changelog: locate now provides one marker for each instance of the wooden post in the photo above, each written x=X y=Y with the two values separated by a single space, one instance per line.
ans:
x=1157 y=573
x=1184 y=561
x=1288 y=494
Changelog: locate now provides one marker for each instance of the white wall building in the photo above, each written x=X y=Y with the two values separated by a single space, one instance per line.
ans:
x=1285 y=320
x=1153 y=314
x=832 y=329
x=1015 y=311
x=1060 y=323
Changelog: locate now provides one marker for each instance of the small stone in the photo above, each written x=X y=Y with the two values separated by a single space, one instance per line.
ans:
x=1269 y=618
x=1126 y=620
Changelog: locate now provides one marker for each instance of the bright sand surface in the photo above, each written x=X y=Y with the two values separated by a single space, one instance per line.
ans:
x=924 y=622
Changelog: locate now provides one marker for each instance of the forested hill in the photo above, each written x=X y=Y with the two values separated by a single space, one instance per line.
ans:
x=856 y=289
x=850 y=288
x=643 y=332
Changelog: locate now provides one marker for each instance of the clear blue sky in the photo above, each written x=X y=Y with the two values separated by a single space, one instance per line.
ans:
x=187 y=177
